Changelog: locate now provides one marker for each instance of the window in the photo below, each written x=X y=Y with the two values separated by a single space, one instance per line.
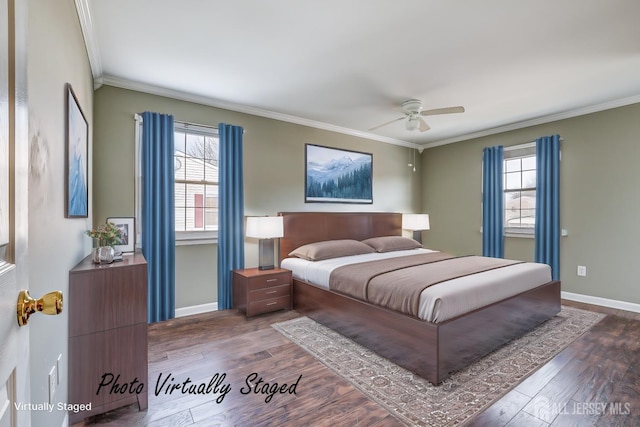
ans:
x=519 y=189
x=196 y=180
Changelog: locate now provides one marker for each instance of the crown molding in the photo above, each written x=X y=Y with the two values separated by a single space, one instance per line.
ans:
x=93 y=52
x=538 y=121
x=212 y=102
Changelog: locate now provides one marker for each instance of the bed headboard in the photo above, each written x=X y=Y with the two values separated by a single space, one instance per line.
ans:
x=301 y=228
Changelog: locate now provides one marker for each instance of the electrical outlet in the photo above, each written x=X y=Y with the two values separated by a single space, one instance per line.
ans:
x=53 y=382
x=582 y=270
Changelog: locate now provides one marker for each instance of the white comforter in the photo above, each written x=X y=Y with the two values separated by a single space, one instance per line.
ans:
x=444 y=300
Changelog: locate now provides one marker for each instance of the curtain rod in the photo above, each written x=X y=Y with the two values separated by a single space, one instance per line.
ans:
x=187 y=124
x=530 y=144
x=138 y=118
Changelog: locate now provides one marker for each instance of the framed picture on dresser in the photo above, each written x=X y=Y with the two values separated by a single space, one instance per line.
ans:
x=127 y=226
x=334 y=175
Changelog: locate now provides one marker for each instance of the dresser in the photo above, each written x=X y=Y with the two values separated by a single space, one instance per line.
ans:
x=261 y=291
x=107 y=306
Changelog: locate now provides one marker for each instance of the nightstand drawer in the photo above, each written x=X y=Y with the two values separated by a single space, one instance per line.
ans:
x=258 y=291
x=272 y=292
x=267 y=305
x=269 y=280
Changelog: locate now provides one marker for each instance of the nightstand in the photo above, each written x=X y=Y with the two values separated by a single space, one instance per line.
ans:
x=261 y=291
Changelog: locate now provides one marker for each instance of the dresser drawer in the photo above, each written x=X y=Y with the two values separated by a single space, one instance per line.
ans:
x=269 y=280
x=272 y=292
x=267 y=305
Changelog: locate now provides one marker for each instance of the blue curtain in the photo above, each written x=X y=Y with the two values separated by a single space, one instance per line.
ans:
x=547 y=231
x=158 y=214
x=230 y=211
x=492 y=202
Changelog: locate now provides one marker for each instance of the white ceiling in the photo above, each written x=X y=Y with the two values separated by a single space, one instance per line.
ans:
x=346 y=65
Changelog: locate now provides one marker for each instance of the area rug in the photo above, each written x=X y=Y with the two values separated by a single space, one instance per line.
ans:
x=415 y=401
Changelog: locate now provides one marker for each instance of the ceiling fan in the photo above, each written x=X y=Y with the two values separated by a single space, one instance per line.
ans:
x=413 y=113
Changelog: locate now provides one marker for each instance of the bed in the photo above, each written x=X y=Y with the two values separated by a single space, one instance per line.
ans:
x=431 y=348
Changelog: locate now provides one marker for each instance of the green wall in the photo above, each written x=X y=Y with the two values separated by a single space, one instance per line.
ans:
x=599 y=199
x=273 y=165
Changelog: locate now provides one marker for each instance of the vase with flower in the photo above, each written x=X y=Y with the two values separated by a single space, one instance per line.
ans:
x=105 y=236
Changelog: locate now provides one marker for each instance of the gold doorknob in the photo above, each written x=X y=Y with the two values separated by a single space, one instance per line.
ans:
x=51 y=303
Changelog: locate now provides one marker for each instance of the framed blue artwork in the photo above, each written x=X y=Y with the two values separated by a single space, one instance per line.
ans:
x=76 y=185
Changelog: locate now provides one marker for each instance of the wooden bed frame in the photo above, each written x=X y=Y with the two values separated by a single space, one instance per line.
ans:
x=430 y=350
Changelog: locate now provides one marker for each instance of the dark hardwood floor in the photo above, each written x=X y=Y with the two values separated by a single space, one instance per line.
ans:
x=221 y=349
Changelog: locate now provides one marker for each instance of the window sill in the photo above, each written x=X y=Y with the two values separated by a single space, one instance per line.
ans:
x=526 y=235
x=188 y=238
x=519 y=235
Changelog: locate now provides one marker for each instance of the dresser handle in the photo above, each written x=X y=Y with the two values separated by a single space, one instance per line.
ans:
x=271 y=292
x=271 y=303
x=272 y=280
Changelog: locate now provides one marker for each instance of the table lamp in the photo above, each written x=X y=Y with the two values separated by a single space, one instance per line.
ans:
x=266 y=229
x=415 y=223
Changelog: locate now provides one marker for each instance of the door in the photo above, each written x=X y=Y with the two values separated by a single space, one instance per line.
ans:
x=14 y=340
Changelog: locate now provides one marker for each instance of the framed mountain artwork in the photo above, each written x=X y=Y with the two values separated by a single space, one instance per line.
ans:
x=334 y=175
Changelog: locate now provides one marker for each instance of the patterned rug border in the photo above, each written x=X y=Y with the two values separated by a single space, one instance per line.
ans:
x=416 y=402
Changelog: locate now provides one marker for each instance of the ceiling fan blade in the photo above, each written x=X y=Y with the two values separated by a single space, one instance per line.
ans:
x=423 y=125
x=388 y=123
x=447 y=110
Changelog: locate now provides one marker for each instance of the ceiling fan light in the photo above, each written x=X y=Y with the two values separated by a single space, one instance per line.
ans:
x=413 y=123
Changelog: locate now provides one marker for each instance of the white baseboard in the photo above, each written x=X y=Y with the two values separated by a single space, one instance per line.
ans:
x=611 y=303
x=196 y=309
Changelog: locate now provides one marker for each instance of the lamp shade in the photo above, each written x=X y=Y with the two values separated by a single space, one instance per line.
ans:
x=264 y=227
x=415 y=221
